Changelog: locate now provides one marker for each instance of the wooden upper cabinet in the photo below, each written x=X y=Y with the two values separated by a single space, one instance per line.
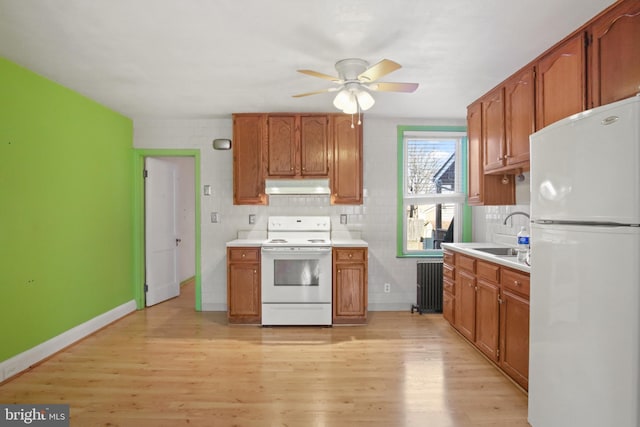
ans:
x=483 y=189
x=346 y=172
x=298 y=146
x=281 y=151
x=614 y=54
x=493 y=130
x=519 y=96
x=475 y=167
x=248 y=180
x=561 y=81
x=314 y=146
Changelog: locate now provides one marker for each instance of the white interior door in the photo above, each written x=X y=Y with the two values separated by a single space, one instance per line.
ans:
x=160 y=235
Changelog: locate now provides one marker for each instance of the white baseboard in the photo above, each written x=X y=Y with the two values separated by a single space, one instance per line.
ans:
x=26 y=359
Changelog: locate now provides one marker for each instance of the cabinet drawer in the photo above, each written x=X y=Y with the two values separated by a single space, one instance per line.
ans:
x=448 y=286
x=466 y=263
x=488 y=271
x=448 y=257
x=515 y=281
x=243 y=254
x=449 y=271
x=349 y=254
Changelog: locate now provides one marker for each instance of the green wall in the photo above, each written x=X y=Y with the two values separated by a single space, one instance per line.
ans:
x=66 y=205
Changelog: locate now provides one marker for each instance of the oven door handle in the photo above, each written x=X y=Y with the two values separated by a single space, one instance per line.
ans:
x=302 y=250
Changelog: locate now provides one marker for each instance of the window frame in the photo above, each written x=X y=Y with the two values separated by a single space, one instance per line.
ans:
x=464 y=224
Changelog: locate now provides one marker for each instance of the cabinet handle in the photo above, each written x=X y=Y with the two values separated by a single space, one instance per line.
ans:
x=339 y=271
x=500 y=300
x=515 y=282
x=255 y=271
x=243 y=255
x=350 y=255
x=477 y=194
x=500 y=159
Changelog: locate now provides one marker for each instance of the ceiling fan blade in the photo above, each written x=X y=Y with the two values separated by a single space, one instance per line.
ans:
x=320 y=75
x=378 y=70
x=331 y=89
x=393 y=87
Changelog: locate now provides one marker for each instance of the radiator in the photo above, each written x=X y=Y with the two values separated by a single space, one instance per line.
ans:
x=429 y=287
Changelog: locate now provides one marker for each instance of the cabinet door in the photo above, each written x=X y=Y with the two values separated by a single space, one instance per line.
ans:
x=520 y=118
x=350 y=286
x=466 y=300
x=243 y=293
x=487 y=312
x=314 y=146
x=346 y=175
x=448 y=307
x=560 y=82
x=248 y=179
x=514 y=337
x=493 y=130
x=475 y=167
x=281 y=146
x=614 y=54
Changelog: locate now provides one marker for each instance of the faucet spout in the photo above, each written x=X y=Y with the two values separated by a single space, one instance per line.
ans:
x=515 y=213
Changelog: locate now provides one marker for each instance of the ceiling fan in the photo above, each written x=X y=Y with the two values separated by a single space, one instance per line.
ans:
x=355 y=80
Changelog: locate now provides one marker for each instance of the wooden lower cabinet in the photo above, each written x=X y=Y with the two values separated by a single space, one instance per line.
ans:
x=449 y=286
x=350 y=285
x=514 y=337
x=243 y=285
x=489 y=305
x=487 y=325
x=466 y=305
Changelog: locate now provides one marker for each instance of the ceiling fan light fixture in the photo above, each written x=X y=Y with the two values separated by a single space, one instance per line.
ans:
x=365 y=100
x=343 y=99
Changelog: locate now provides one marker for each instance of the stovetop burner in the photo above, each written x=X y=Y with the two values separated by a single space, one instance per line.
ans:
x=302 y=231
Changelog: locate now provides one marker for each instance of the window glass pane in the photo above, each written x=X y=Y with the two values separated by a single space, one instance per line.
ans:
x=430 y=166
x=427 y=225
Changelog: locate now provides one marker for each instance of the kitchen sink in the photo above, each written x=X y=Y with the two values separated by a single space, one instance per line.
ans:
x=499 y=251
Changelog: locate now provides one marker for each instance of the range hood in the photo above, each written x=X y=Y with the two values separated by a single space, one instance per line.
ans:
x=297 y=186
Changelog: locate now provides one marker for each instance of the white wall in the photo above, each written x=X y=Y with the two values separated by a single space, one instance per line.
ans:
x=375 y=219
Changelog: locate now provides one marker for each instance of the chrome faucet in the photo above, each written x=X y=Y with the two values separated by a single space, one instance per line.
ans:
x=515 y=213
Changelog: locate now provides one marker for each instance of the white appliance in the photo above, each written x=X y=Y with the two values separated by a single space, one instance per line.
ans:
x=584 y=367
x=296 y=271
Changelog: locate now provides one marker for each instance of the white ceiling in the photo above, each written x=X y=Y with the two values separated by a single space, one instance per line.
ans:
x=211 y=58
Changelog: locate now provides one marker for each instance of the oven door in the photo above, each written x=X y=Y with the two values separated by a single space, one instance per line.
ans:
x=296 y=275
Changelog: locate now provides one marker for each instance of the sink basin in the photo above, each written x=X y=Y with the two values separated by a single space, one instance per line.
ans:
x=499 y=251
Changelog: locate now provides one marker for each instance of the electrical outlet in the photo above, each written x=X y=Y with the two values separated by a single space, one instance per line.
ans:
x=252 y=218
x=387 y=288
x=343 y=218
x=215 y=217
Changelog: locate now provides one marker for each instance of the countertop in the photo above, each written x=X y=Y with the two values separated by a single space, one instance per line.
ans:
x=245 y=242
x=358 y=243
x=470 y=249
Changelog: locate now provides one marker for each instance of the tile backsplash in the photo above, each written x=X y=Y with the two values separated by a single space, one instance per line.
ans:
x=488 y=221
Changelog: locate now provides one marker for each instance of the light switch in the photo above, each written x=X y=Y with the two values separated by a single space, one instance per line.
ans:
x=207 y=190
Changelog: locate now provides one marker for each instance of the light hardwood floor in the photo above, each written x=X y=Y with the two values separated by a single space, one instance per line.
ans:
x=171 y=366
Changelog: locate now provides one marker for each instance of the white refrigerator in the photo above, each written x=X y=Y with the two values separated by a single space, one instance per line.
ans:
x=584 y=354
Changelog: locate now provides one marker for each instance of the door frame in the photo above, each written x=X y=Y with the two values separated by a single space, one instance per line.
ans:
x=139 y=216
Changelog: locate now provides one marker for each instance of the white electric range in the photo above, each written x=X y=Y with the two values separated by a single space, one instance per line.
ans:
x=296 y=271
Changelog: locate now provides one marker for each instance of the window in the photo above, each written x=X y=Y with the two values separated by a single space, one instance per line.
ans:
x=431 y=188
